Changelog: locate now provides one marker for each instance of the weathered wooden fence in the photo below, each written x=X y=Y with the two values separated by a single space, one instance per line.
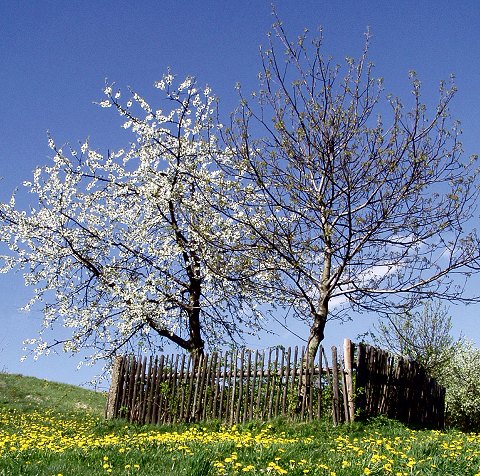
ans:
x=233 y=387
x=244 y=385
x=398 y=388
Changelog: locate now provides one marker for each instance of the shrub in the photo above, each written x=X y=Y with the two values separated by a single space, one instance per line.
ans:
x=461 y=377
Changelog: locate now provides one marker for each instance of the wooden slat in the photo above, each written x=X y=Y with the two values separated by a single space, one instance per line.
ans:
x=183 y=390
x=320 y=390
x=336 y=392
x=311 y=370
x=287 y=381
x=201 y=394
x=212 y=384
x=174 y=392
x=191 y=378
x=279 y=390
x=346 y=409
x=274 y=380
x=132 y=388
x=162 y=400
x=151 y=391
x=222 y=413
x=260 y=386
x=144 y=389
x=267 y=385
x=238 y=401
x=197 y=397
x=302 y=383
x=234 y=388
x=252 y=391
x=216 y=402
x=294 y=379
x=168 y=387
x=247 y=378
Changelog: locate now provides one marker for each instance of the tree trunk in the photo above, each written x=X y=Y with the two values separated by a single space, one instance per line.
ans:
x=314 y=340
x=194 y=323
x=196 y=342
x=317 y=328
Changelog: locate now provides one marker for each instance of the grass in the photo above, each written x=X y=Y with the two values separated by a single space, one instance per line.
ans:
x=29 y=393
x=37 y=439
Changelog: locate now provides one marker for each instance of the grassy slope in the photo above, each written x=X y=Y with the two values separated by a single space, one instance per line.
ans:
x=29 y=393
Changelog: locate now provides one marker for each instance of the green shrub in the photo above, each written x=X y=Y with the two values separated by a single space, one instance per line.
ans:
x=461 y=377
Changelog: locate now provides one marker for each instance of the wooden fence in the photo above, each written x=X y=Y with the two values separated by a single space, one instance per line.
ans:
x=398 y=388
x=244 y=385
x=233 y=387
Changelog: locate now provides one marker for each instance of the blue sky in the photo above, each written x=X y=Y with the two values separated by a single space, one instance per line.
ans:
x=55 y=56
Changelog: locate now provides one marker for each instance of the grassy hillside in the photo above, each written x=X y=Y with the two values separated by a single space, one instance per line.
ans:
x=51 y=429
x=29 y=393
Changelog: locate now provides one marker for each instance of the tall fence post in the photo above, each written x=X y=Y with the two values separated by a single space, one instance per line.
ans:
x=348 y=364
x=335 y=390
x=114 y=388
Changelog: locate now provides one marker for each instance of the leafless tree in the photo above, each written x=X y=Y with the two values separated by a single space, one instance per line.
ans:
x=423 y=335
x=367 y=203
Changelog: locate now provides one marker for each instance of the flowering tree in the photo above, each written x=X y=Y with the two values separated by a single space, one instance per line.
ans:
x=362 y=214
x=461 y=378
x=125 y=248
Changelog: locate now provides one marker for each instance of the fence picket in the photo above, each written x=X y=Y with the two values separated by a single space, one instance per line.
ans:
x=254 y=379
x=183 y=384
x=224 y=379
x=202 y=399
x=218 y=363
x=302 y=384
x=294 y=374
x=273 y=385
x=287 y=379
x=279 y=392
x=311 y=369
x=320 y=369
x=247 y=386
x=267 y=386
x=336 y=393
x=238 y=402
x=143 y=392
x=191 y=373
x=174 y=390
x=207 y=410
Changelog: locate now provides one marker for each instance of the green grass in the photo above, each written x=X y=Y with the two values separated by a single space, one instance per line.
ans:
x=53 y=434
x=29 y=393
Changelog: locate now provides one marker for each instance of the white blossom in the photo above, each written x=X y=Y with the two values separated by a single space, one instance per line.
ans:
x=116 y=243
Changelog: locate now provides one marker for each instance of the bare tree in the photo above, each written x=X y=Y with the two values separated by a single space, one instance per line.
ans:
x=361 y=213
x=424 y=336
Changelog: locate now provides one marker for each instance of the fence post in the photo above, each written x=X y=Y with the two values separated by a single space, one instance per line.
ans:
x=114 y=390
x=348 y=364
x=335 y=391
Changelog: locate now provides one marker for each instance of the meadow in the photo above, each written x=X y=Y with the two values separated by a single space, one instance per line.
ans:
x=51 y=429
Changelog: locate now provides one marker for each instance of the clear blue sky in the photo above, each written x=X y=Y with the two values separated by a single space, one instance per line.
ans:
x=55 y=56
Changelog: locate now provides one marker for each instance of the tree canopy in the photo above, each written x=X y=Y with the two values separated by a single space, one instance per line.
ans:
x=368 y=202
x=124 y=248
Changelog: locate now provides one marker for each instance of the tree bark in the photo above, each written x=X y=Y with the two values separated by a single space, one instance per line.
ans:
x=315 y=338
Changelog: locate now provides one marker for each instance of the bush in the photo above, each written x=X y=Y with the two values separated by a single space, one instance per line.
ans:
x=461 y=377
